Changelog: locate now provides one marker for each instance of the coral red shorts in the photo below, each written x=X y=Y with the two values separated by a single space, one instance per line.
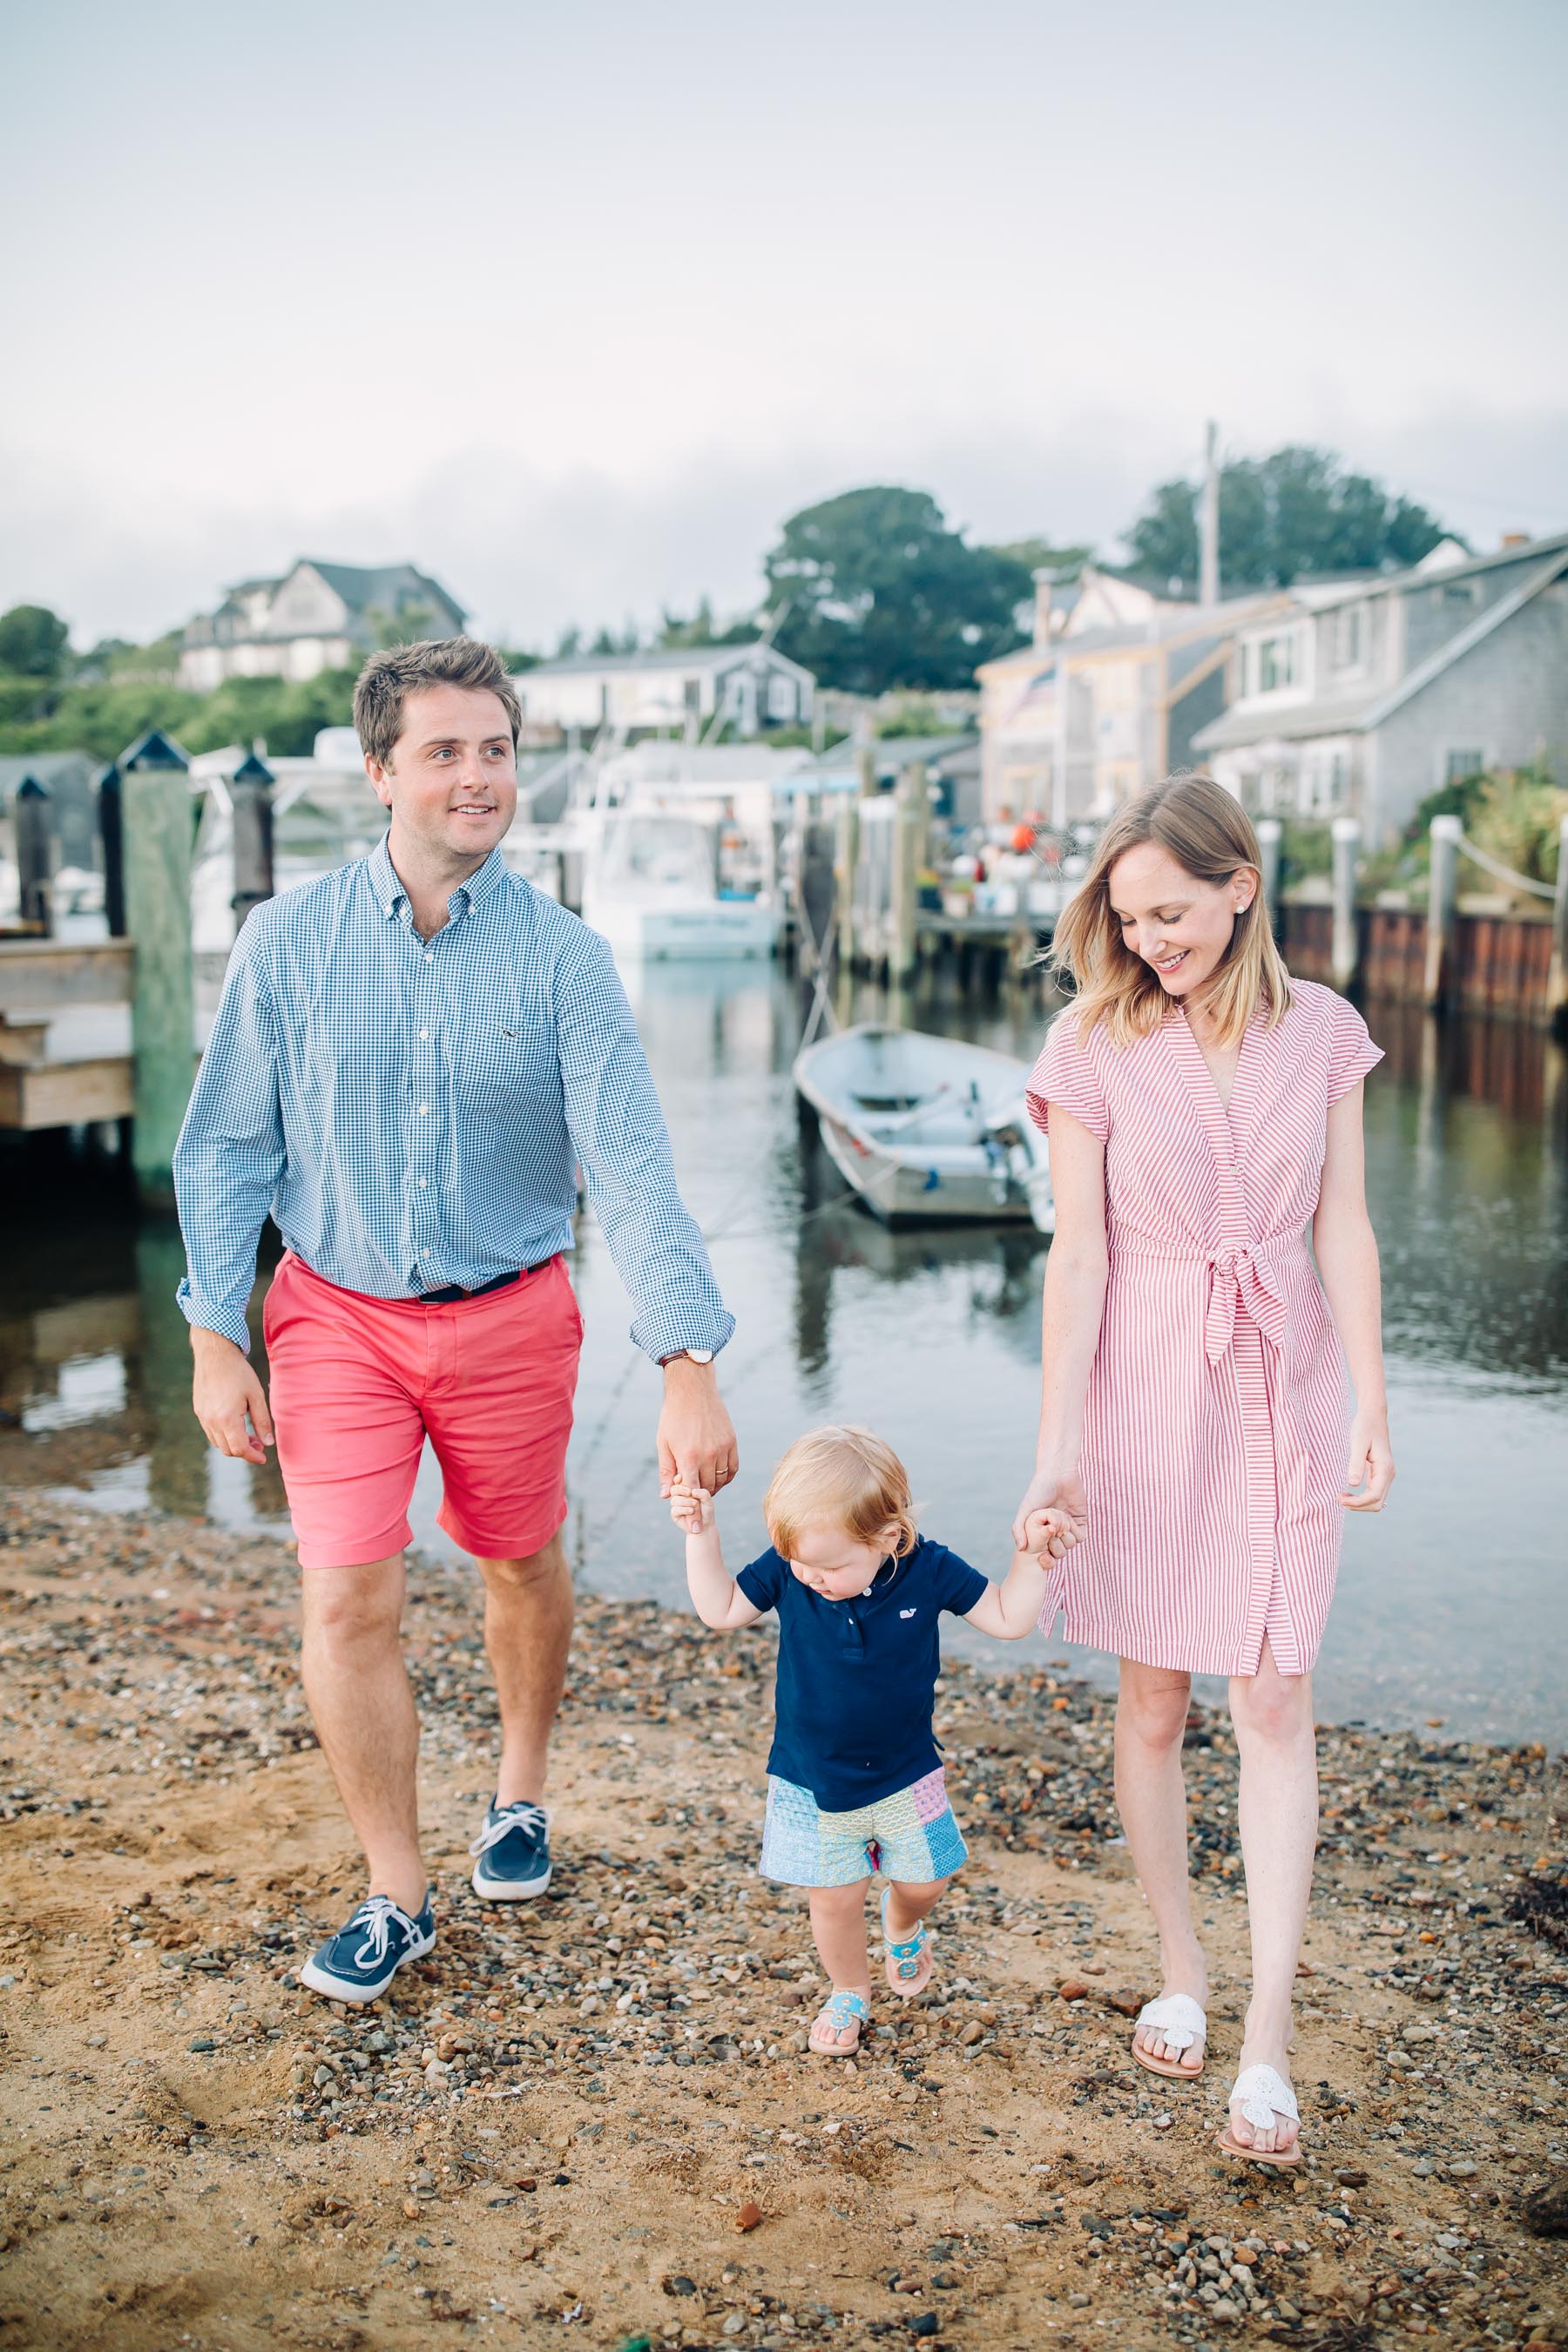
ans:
x=358 y=1384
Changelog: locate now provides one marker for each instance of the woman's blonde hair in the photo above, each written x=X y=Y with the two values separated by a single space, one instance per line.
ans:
x=1209 y=833
x=843 y=1476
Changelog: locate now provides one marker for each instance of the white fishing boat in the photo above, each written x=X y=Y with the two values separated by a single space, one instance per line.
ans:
x=928 y=1130
x=651 y=885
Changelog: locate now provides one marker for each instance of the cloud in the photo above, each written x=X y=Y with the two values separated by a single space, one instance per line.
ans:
x=529 y=551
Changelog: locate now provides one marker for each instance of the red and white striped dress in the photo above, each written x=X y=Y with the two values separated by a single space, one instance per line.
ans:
x=1217 y=1418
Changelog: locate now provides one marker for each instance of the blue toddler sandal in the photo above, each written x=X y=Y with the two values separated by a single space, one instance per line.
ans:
x=360 y=1961
x=839 y=2013
x=909 y=1962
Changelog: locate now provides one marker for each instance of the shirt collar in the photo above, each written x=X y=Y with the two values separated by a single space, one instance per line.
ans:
x=390 y=893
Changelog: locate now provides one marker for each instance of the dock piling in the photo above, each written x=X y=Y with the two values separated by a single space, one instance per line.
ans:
x=111 y=832
x=34 y=846
x=1270 y=830
x=157 y=814
x=250 y=794
x=1345 y=954
x=1557 y=978
x=1445 y=835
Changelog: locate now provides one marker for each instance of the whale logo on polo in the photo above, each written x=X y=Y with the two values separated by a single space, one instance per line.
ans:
x=906 y=1612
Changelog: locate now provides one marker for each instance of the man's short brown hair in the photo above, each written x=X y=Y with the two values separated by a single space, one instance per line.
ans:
x=388 y=680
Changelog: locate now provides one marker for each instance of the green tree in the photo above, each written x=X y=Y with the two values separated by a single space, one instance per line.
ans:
x=1044 y=555
x=1295 y=513
x=32 y=641
x=876 y=591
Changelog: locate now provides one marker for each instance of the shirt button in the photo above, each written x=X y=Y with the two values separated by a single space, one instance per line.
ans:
x=424 y=1181
x=424 y=1253
x=424 y=1033
x=423 y=1110
x=430 y=955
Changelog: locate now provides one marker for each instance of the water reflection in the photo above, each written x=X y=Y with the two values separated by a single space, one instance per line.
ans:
x=1452 y=1605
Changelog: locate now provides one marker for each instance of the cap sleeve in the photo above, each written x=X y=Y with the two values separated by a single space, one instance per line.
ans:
x=1065 y=1076
x=762 y=1581
x=958 y=1586
x=1352 y=1053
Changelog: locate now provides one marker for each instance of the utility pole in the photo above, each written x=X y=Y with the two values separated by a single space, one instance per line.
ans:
x=1208 y=520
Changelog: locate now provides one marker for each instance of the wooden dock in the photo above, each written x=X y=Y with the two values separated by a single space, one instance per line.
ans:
x=57 y=999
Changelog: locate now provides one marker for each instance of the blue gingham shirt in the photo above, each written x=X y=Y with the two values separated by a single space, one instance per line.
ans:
x=413 y=1112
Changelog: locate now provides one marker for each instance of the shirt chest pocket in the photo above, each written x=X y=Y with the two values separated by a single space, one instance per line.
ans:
x=505 y=1062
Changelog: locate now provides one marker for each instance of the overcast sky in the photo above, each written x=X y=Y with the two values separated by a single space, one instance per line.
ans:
x=571 y=306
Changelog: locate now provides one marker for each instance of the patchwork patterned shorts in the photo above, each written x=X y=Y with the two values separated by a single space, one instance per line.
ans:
x=911 y=1835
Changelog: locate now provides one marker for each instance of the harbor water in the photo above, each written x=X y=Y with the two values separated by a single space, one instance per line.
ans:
x=1452 y=1610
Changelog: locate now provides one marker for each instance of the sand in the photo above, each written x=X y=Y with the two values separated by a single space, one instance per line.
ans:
x=591 y=2115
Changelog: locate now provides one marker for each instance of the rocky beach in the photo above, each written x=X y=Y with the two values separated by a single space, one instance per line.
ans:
x=594 y=2121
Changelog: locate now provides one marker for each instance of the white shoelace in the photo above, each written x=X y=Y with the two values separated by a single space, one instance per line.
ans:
x=374 y=1915
x=530 y=1818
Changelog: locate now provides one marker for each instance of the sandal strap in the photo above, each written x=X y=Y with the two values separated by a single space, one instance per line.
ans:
x=1179 y=2019
x=1264 y=2095
x=844 y=2009
x=913 y=1943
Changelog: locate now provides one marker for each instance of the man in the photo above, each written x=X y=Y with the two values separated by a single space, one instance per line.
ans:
x=412 y=1058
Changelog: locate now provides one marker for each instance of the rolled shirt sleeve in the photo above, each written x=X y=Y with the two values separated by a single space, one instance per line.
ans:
x=230 y=1156
x=623 y=1147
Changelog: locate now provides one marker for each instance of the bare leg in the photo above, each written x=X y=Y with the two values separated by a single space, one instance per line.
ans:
x=1150 y=1718
x=363 y=1708
x=528 y=1632
x=838 y=1925
x=1276 y=1811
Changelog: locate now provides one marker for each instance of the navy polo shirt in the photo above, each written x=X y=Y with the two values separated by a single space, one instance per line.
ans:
x=856 y=1678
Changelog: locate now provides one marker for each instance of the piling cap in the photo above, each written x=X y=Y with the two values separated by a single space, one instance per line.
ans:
x=253 y=769
x=156 y=750
x=29 y=789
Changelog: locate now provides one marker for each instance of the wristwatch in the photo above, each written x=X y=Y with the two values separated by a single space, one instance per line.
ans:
x=695 y=1354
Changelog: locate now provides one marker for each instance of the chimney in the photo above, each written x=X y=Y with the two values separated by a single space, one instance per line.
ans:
x=1515 y=539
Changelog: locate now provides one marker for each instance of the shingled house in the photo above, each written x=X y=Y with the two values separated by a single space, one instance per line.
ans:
x=316 y=617
x=1362 y=697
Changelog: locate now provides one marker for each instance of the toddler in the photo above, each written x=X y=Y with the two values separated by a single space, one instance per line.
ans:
x=855 y=1776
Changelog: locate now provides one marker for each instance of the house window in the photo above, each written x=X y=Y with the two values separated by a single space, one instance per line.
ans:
x=1241 y=665
x=1276 y=662
x=1461 y=764
x=781 y=697
x=1350 y=636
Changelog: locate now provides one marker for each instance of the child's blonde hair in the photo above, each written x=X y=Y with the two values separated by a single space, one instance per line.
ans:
x=847 y=1477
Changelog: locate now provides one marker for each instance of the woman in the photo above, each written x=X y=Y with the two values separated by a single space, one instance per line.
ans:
x=1202 y=1108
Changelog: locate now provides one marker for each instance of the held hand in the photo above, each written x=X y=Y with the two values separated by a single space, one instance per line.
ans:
x=228 y=1399
x=1050 y=1535
x=1371 y=1465
x=695 y=1439
x=1059 y=1494
x=691 y=1508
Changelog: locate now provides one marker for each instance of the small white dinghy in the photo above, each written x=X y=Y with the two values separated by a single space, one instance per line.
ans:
x=927 y=1130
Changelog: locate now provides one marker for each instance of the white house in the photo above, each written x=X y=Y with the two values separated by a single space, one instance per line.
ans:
x=1364 y=696
x=748 y=688
x=316 y=617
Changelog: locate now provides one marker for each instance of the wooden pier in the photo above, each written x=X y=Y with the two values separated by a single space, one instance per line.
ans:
x=57 y=999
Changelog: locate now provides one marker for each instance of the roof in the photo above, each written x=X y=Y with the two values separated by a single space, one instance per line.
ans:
x=1163 y=627
x=1319 y=595
x=688 y=658
x=382 y=585
x=1376 y=704
x=893 y=753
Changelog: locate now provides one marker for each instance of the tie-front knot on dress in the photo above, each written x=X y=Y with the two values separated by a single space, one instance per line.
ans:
x=1216 y=1415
